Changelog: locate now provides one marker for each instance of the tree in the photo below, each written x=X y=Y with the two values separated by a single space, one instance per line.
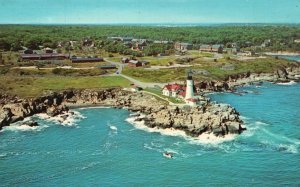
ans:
x=33 y=43
x=1 y=59
x=4 y=44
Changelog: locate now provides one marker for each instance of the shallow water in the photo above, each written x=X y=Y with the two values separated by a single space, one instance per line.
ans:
x=98 y=147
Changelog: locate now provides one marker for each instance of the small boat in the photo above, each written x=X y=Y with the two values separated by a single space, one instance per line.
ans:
x=168 y=155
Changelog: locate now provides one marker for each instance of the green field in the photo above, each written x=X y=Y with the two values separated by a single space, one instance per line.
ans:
x=27 y=87
x=214 y=70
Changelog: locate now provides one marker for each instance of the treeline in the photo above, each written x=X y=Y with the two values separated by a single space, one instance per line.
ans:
x=282 y=37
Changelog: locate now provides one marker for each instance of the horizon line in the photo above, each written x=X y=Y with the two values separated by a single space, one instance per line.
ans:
x=162 y=23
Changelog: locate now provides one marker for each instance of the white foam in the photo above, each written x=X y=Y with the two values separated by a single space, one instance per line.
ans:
x=205 y=138
x=287 y=83
x=16 y=127
x=65 y=119
x=260 y=123
x=288 y=148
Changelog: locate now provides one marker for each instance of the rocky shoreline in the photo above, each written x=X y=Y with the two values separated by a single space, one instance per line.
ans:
x=231 y=82
x=209 y=118
x=219 y=119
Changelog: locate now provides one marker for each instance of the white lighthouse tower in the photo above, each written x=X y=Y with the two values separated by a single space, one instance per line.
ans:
x=189 y=96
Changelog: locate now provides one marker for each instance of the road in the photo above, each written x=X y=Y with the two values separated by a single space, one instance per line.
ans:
x=118 y=64
x=136 y=82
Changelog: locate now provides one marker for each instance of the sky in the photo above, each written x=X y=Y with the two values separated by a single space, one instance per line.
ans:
x=148 y=11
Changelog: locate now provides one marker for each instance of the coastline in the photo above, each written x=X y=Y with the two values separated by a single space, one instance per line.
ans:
x=210 y=118
x=283 y=53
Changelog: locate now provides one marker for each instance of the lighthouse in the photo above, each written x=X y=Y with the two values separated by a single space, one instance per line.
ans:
x=189 y=86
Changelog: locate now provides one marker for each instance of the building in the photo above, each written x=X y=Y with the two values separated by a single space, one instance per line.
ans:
x=107 y=67
x=48 y=50
x=218 y=48
x=205 y=48
x=183 y=46
x=189 y=96
x=50 y=56
x=134 y=63
x=186 y=93
x=173 y=90
x=125 y=60
x=231 y=50
x=266 y=43
x=162 y=42
x=82 y=60
x=139 y=46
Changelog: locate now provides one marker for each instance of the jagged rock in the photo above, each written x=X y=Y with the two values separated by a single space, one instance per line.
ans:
x=5 y=117
x=31 y=123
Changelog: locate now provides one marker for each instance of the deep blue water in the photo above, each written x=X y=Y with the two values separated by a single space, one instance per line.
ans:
x=103 y=149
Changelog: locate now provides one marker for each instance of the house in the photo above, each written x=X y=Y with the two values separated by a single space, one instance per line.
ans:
x=218 y=48
x=266 y=43
x=125 y=60
x=173 y=90
x=126 y=39
x=205 y=48
x=139 y=46
x=162 y=42
x=81 y=59
x=134 y=63
x=231 y=50
x=183 y=46
x=48 y=50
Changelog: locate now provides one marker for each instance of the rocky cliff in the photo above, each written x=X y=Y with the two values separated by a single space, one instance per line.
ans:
x=219 y=119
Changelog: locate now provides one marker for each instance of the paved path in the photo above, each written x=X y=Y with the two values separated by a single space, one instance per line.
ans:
x=135 y=81
x=118 y=64
x=143 y=84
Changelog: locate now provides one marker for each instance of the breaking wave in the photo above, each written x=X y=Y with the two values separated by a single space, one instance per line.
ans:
x=205 y=138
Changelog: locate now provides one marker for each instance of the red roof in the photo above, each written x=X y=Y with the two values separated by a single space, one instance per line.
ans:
x=174 y=87
x=182 y=94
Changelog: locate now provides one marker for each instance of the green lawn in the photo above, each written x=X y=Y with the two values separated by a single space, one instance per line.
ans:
x=31 y=87
x=159 y=93
x=159 y=61
x=214 y=69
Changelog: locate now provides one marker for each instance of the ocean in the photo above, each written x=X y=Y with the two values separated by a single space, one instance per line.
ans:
x=290 y=57
x=100 y=147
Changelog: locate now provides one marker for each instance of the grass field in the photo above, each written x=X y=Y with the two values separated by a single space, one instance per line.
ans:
x=27 y=87
x=214 y=70
x=158 y=92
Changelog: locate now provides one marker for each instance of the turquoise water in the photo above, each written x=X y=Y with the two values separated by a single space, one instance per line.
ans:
x=291 y=57
x=99 y=148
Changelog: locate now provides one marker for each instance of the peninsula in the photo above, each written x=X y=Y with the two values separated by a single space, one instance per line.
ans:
x=147 y=76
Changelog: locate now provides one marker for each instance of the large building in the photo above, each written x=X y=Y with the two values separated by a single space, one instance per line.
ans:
x=183 y=46
x=218 y=48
